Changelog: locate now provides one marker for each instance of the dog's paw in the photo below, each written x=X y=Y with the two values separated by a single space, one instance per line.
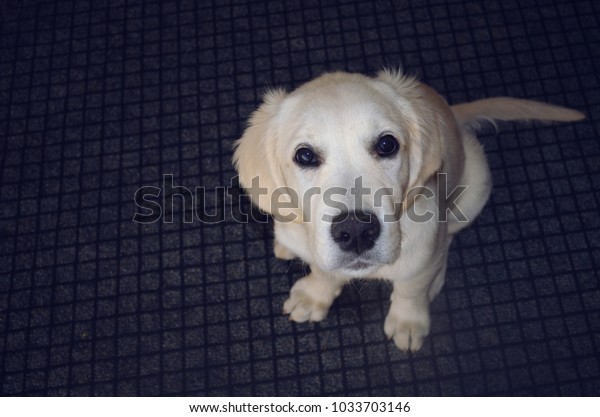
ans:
x=310 y=300
x=407 y=326
x=281 y=252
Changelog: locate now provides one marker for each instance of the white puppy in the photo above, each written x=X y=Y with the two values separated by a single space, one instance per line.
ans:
x=371 y=177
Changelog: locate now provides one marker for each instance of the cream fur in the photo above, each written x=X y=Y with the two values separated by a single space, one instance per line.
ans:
x=339 y=115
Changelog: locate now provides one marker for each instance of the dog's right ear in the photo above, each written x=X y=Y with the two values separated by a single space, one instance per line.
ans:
x=254 y=153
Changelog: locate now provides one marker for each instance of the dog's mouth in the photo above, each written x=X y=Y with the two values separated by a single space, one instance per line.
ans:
x=359 y=265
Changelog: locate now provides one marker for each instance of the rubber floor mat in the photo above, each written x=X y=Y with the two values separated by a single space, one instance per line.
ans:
x=99 y=99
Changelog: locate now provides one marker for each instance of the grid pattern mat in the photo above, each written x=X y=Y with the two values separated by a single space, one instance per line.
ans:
x=99 y=98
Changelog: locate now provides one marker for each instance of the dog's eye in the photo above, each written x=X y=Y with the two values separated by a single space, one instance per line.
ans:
x=386 y=146
x=306 y=157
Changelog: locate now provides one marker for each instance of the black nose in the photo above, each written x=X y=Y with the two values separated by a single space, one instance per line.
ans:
x=355 y=231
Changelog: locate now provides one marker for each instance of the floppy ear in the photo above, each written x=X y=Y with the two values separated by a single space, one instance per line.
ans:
x=254 y=153
x=428 y=120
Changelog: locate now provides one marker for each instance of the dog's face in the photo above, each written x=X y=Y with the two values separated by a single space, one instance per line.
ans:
x=339 y=155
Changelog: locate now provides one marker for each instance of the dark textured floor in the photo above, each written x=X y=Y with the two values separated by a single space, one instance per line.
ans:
x=98 y=99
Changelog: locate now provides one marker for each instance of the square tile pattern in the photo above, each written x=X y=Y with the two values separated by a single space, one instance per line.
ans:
x=100 y=98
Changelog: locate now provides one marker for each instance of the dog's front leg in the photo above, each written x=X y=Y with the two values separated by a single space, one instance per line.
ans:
x=311 y=296
x=407 y=322
x=282 y=252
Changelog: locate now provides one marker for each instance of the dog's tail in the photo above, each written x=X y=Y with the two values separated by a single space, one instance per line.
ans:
x=471 y=114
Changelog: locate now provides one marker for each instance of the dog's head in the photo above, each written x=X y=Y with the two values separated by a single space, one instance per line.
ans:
x=340 y=154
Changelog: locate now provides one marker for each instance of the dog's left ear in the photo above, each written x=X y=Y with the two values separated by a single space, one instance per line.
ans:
x=254 y=156
x=428 y=119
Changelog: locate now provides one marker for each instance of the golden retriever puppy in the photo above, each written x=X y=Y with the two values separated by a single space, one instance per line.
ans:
x=371 y=177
